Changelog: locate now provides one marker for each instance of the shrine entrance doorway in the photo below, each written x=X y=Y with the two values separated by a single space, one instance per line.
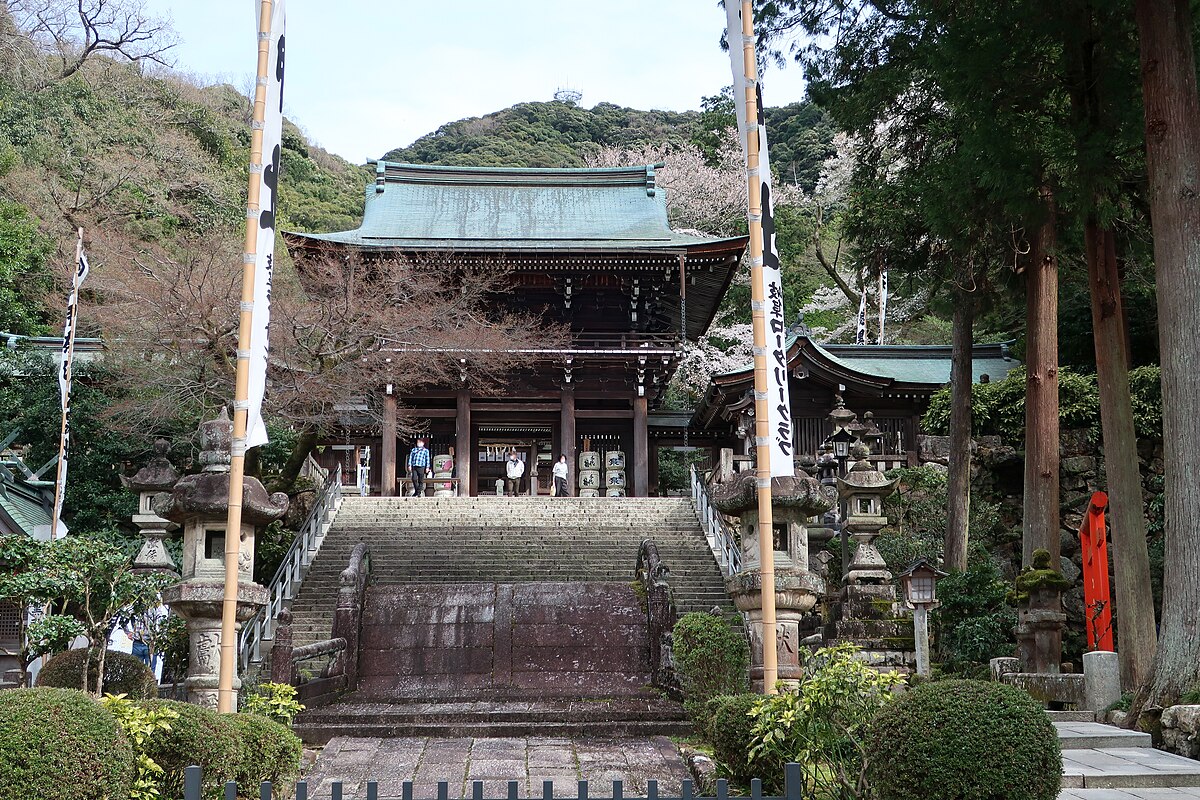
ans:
x=534 y=446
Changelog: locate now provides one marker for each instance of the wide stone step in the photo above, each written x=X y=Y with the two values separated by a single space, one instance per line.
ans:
x=596 y=716
x=1128 y=768
x=1088 y=735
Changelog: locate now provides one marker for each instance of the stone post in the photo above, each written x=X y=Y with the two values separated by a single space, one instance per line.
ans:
x=199 y=504
x=921 y=639
x=1101 y=679
x=281 y=649
x=1040 y=615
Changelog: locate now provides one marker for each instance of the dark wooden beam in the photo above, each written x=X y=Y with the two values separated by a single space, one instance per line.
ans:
x=387 y=447
x=641 y=446
x=463 y=453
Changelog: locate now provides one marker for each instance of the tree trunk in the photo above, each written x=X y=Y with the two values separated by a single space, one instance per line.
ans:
x=958 y=486
x=291 y=468
x=1041 y=511
x=1173 y=163
x=1131 y=561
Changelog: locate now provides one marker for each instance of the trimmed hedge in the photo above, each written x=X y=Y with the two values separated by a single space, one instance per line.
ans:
x=200 y=736
x=123 y=674
x=270 y=751
x=711 y=660
x=60 y=744
x=953 y=739
x=731 y=733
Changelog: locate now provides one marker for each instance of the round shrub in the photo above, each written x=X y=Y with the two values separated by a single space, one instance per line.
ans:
x=60 y=744
x=731 y=734
x=270 y=751
x=711 y=659
x=200 y=736
x=123 y=674
x=952 y=739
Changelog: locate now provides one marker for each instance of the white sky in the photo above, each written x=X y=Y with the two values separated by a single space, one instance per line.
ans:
x=365 y=76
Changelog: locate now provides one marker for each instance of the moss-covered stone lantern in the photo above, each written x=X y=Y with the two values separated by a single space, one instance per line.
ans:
x=200 y=504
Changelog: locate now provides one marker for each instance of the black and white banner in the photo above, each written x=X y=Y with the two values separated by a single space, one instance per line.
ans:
x=860 y=336
x=883 y=298
x=778 y=400
x=264 y=253
x=64 y=384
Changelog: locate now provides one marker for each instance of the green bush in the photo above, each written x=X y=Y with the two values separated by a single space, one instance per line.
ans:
x=731 y=731
x=953 y=739
x=140 y=725
x=821 y=723
x=275 y=701
x=123 y=674
x=974 y=622
x=199 y=736
x=60 y=744
x=269 y=752
x=711 y=659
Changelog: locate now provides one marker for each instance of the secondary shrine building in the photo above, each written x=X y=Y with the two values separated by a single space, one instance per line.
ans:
x=592 y=250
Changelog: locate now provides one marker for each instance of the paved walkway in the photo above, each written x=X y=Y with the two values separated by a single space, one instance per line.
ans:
x=1101 y=762
x=527 y=760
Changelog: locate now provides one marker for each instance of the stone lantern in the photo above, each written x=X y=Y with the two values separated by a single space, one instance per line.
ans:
x=200 y=504
x=158 y=476
x=866 y=613
x=797 y=588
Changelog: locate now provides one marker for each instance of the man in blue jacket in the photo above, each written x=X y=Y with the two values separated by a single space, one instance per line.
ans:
x=418 y=466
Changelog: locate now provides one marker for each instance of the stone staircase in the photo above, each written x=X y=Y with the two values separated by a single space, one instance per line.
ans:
x=1103 y=762
x=508 y=540
x=504 y=616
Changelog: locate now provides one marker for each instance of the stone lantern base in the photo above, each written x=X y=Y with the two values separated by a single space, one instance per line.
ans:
x=200 y=604
x=795 y=596
x=868 y=616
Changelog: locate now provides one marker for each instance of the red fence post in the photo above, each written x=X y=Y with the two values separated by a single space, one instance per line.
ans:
x=1097 y=599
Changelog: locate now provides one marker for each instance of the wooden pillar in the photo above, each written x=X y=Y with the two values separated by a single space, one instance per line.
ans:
x=566 y=434
x=641 y=456
x=463 y=453
x=387 y=449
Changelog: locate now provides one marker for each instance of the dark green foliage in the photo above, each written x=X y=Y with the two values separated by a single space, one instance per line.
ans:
x=123 y=674
x=999 y=407
x=950 y=740
x=200 y=736
x=731 y=734
x=60 y=744
x=710 y=658
x=673 y=469
x=974 y=622
x=269 y=752
x=24 y=273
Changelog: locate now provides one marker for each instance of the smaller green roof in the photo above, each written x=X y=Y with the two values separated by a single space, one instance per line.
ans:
x=926 y=364
x=23 y=505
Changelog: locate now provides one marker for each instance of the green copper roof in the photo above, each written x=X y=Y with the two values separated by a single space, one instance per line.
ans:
x=498 y=208
x=911 y=364
x=928 y=364
x=22 y=505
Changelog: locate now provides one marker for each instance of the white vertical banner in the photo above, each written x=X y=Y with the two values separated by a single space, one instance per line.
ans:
x=264 y=252
x=883 y=297
x=860 y=336
x=778 y=401
x=64 y=382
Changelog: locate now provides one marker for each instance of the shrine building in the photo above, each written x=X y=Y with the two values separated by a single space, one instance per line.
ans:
x=593 y=247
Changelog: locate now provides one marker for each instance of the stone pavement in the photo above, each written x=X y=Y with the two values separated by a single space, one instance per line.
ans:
x=495 y=761
x=1102 y=762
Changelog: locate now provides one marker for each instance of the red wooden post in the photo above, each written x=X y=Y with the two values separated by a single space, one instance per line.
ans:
x=1097 y=598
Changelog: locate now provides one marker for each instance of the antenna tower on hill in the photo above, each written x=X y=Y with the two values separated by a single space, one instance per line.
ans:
x=569 y=96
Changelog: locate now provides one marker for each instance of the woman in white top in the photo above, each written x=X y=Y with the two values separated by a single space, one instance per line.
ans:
x=560 y=477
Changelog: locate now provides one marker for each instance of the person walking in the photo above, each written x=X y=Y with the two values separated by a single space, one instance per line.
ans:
x=418 y=466
x=560 y=477
x=514 y=468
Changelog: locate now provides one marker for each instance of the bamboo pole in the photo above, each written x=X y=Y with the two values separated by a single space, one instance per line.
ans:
x=68 y=362
x=237 y=461
x=762 y=427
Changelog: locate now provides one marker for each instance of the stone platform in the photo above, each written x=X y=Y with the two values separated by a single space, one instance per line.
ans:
x=1102 y=762
x=527 y=760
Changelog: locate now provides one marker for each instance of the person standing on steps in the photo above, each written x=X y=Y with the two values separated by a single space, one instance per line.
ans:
x=514 y=468
x=560 y=477
x=418 y=467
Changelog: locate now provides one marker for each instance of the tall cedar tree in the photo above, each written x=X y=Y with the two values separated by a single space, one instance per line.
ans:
x=1172 y=113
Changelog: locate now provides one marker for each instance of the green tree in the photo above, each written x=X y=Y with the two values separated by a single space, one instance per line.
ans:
x=24 y=276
